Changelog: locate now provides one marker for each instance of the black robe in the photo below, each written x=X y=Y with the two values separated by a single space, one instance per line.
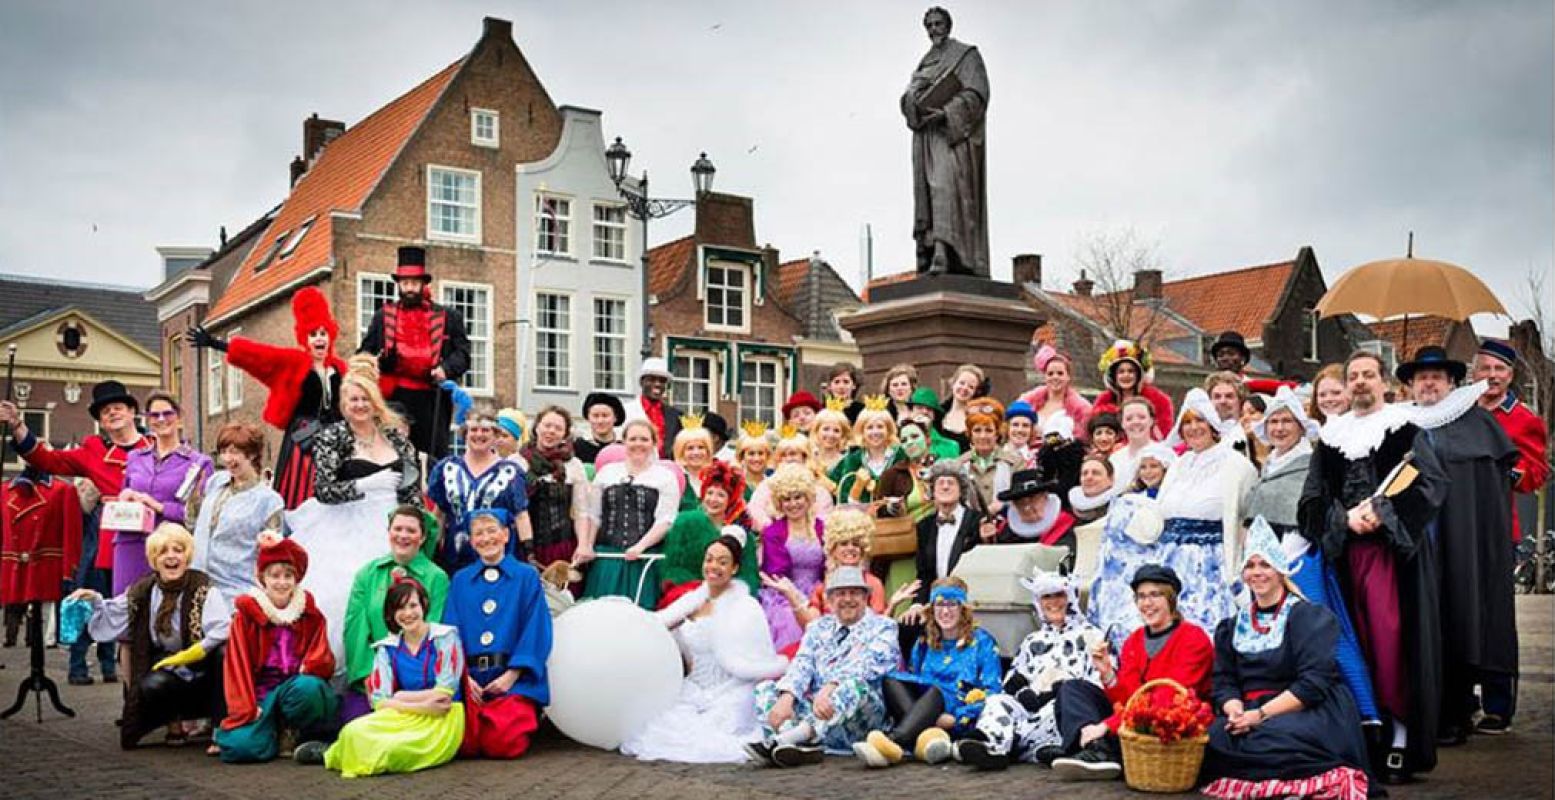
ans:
x=1478 y=613
x=1336 y=484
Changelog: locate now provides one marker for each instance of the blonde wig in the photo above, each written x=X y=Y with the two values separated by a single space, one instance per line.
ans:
x=848 y=526
x=363 y=375
x=166 y=535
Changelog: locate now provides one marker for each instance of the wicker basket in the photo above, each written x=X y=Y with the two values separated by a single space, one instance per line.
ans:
x=1150 y=765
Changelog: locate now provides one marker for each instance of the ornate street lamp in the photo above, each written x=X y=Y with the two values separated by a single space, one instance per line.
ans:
x=644 y=207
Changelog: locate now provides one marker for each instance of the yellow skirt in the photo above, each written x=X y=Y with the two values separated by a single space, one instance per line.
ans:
x=390 y=740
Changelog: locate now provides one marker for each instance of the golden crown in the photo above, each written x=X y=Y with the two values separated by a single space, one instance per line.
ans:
x=691 y=422
x=836 y=403
x=754 y=428
x=876 y=402
x=788 y=431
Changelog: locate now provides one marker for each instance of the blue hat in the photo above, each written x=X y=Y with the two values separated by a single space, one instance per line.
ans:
x=1431 y=357
x=1021 y=408
x=1495 y=348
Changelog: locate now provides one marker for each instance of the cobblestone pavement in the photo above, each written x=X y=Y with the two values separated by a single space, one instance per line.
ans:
x=67 y=758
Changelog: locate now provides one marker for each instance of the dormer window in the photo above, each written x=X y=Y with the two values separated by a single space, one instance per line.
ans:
x=483 y=127
x=727 y=296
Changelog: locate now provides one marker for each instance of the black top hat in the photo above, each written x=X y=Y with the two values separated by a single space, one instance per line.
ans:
x=412 y=263
x=717 y=426
x=1432 y=357
x=107 y=392
x=601 y=398
x=1233 y=340
x=1025 y=483
x=1156 y=573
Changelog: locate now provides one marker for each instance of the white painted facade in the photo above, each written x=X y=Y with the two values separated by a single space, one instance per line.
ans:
x=579 y=283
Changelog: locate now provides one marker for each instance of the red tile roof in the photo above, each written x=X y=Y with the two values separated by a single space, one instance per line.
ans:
x=667 y=263
x=1241 y=300
x=1423 y=330
x=790 y=276
x=1162 y=326
x=340 y=180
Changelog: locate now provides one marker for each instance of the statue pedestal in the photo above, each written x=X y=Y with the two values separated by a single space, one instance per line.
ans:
x=940 y=323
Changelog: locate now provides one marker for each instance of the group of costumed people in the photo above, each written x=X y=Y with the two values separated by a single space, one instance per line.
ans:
x=1331 y=572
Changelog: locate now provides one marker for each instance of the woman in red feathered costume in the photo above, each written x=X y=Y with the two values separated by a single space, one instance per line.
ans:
x=303 y=381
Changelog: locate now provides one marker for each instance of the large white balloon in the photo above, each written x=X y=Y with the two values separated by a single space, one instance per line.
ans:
x=613 y=668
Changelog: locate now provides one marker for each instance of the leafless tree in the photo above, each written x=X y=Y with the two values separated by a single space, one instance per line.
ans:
x=1109 y=259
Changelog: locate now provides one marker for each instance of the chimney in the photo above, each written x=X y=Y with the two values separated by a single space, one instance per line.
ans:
x=1084 y=285
x=316 y=133
x=298 y=169
x=224 y=236
x=1027 y=268
x=1147 y=285
x=493 y=28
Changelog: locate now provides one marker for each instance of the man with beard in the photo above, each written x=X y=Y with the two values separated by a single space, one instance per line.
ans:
x=1495 y=364
x=1368 y=515
x=653 y=377
x=1479 y=632
x=419 y=344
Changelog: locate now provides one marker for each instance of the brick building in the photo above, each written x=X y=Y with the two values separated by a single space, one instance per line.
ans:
x=812 y=288
x=69 y=336
x=435 y=167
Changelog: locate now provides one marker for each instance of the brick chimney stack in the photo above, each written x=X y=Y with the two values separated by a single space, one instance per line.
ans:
x=316 y=133
x=1084 y=285
x=298 y=169
x=1147 y=284
x=1027 y=268
x=494 y=28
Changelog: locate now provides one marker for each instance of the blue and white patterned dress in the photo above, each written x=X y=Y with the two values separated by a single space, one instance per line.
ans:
x=1201 y=493
x=456 y=491
x=1110 y=605
x=226 y=534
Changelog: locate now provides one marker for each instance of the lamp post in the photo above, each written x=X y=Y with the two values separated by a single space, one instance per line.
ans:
x=644 y=207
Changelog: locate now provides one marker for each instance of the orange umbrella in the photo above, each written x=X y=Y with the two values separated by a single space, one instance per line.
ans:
x=1409 y=285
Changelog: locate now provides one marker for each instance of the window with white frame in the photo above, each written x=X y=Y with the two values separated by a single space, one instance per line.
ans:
x=473 y=302
x=761 y=394
x=296 y=239
x=694 y=388
x=1384 y=350
x=215 y=387
x=453 y=204
x=1309 y=320
x=610 y=232
x=728 y=295
x=483 y=127
x=553 y=225
x=553 y=341
x=372 y=292
x=234 y=379
x=609 y=344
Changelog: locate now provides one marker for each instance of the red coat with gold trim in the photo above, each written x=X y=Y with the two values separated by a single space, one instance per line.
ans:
x=1528 y=433
x=41 y=539
x=249 y=642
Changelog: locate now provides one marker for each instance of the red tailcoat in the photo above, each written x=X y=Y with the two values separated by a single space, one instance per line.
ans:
x=281 y=369
x=1188 y=658
x=41 y=541
x=1527 y=431
x=250 y=640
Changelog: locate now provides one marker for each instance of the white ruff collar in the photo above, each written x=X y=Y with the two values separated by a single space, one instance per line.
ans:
x=1355 y=437
x=1453 y=406
x=281 y=616
x=1033 y=530
x=1277 y=462
x=1080 y=501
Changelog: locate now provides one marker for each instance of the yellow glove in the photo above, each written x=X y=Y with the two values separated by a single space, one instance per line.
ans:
x=976 y=696
x=185 y=657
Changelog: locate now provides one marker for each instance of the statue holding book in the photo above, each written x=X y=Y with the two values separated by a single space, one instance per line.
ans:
x=945 y=105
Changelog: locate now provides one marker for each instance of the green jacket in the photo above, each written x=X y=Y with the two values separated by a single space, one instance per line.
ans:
x=364 y=611
x=845 y=474
x=687 y=542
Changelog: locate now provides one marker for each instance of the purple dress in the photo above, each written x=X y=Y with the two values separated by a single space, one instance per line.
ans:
x=803 y=562
x=161 y=478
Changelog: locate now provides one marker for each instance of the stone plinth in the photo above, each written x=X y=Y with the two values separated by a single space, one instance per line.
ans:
x=937 y=331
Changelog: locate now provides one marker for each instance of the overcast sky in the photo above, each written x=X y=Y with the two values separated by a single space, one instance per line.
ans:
x=1230 y=133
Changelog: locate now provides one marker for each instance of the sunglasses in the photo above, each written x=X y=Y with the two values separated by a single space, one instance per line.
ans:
x=161 y=415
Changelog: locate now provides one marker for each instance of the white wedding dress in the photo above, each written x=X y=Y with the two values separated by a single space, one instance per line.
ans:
x=340 y=539
x=715 y=714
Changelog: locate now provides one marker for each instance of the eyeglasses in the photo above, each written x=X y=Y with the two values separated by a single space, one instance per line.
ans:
x=161 y=415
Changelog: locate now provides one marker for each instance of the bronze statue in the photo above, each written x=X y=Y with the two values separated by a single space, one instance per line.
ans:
x=945 y=105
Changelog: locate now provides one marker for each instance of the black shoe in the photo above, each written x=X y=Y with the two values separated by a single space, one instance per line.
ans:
x=760 y=752
x=1395 y=771
x=110 y=677
x=1047 y=755
x=1493 y=725
x=1093 y=763
x=1452 y=735
x=80 y=680
x=310 y=753
x=975 y=753
x=796 y=755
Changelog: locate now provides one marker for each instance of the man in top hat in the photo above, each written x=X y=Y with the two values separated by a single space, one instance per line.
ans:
x=1496 y=364
x=1231 y=354
x=419 y=344
x=654 y=377
x=1479 y=634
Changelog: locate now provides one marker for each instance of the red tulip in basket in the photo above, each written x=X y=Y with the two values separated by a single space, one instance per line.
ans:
x=1163 y=743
